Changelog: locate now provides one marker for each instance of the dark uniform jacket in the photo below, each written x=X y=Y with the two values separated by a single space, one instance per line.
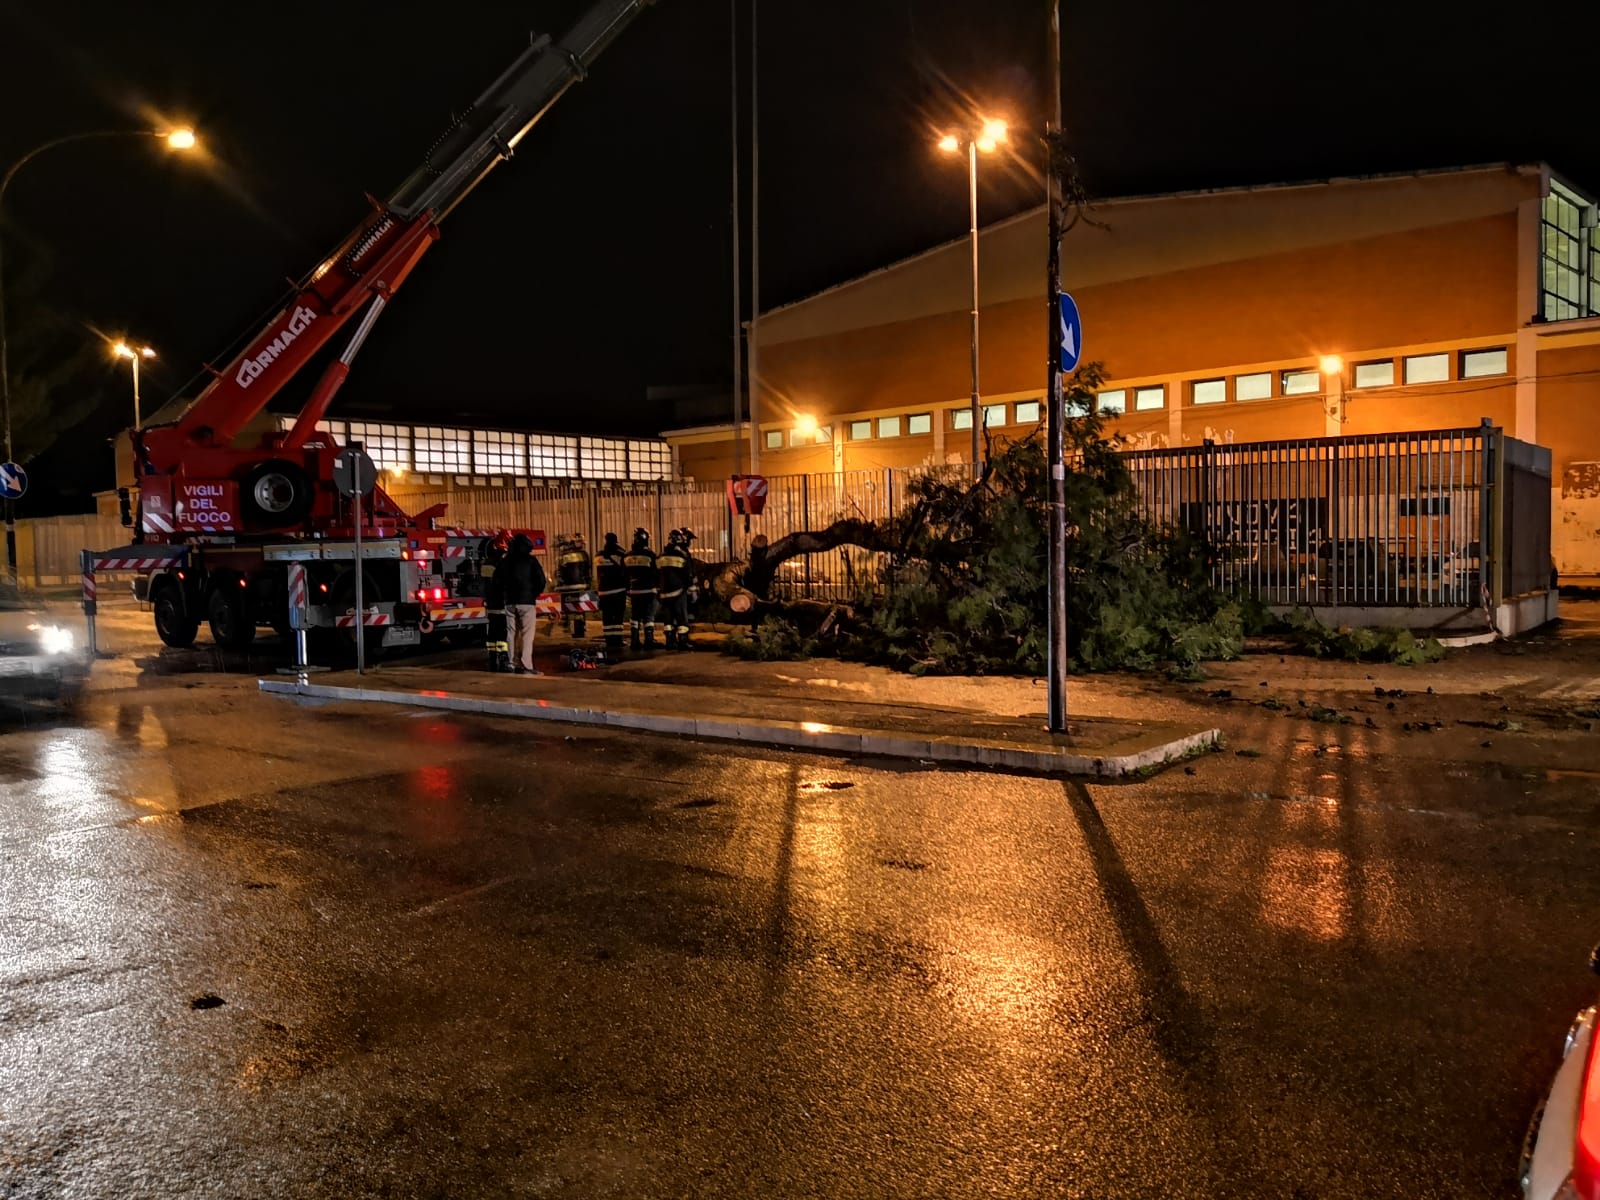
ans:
x=641 y=564
x=572 y=570
x=612 y=572
x=676 y=565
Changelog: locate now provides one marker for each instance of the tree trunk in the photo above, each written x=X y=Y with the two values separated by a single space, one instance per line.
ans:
x=755 y=576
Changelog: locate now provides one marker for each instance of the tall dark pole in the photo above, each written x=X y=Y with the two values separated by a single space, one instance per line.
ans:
x=738 y=335
x=755 y=251
x=972 y=196
x=1056 y=666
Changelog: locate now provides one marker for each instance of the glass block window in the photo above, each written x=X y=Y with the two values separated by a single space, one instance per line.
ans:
x=1028 y=412
x=1568 y=256
x=1426 y=368
x=649 y=460
x=389 y=446
x=918 y=423
x=775 y=439
x=552 y=457
x=1115 y=401
x=994 y=415
x=889 y=427
x=1478 y=363
x=1302 y=383
x=960 y=418
x=1209 y=391
x=1375 y=374
x=495 y=452
x=1253 y=387
x=447 y=450
x=860 y=430
x=1149 y=397
x=603 y=458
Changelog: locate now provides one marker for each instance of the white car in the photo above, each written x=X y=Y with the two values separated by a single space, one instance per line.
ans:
x=1561 y=1156
x=39 y=657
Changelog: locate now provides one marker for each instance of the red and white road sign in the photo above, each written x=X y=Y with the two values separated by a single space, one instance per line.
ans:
x=579 y=602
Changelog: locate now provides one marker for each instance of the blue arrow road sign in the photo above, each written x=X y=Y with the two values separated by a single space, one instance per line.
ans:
x=1071 y=333
x=13 y=481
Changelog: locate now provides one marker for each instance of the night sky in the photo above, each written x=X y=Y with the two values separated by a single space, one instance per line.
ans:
x=597 y=262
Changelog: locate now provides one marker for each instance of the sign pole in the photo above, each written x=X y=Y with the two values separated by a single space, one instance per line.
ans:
x=361 y=610
x=1056 y=653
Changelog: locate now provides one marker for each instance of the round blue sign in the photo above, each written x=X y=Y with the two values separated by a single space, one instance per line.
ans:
x=13 y=481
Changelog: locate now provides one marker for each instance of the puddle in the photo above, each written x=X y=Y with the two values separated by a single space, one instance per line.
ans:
x=826 y=785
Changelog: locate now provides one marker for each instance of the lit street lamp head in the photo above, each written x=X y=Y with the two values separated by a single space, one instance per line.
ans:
x=122 y=350
x=182 y=138
x=949 y=143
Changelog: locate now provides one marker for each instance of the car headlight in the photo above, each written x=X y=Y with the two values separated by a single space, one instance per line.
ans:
x=53 y=638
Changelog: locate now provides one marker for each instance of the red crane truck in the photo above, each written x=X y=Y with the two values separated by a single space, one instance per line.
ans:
x=218 y=523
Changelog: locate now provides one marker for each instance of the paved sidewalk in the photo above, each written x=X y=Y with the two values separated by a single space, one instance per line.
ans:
x=707 y=695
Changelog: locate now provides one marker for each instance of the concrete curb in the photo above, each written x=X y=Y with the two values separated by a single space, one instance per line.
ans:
x=789 y=735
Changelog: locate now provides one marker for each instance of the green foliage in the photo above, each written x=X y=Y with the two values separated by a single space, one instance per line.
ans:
x=1364 y=644
x=774 y=640
x=967 y=591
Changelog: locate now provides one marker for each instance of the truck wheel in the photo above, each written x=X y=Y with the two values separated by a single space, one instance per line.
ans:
x=174 y=626
x=232 y=625
x=275 y=494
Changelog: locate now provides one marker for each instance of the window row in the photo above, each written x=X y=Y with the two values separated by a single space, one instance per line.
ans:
x=1023 y=412
x=1308 y=381
x=431 y=449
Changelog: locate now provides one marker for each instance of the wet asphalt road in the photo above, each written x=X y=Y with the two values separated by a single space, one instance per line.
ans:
x=460 y=957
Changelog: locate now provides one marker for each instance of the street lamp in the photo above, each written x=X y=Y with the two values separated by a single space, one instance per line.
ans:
x=987 y=137
x=181 y=139
x=133 y=354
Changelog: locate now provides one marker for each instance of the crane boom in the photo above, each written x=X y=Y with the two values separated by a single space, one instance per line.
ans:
x=371 y=263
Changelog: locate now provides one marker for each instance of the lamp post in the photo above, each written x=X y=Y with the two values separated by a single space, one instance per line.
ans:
x=988 y=136
x=180 y=139
x=133 y=354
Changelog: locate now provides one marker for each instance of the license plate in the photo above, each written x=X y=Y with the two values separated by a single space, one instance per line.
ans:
x=402 y=637
x=15 y=666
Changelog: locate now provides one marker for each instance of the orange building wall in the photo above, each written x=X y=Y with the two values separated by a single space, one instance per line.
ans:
x=1569 y=405
x=1436 y=284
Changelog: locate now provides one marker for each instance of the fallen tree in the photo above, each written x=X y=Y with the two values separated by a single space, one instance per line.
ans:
x=961 y=587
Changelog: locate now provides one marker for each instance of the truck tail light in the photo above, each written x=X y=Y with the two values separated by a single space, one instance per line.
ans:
x=437 y=593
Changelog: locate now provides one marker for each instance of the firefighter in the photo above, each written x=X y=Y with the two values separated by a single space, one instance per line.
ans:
x=574 y=574
x=641 y=563
x=494 y=601
x=612 y=583
x=676 y=565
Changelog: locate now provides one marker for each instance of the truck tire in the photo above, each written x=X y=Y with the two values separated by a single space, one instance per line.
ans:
x=232 y=624
x=275 y=495
x=174 y=626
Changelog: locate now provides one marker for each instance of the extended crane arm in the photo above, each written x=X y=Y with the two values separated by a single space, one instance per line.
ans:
x=374 y=260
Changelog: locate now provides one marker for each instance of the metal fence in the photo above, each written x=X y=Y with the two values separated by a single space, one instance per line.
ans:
x=1402 y=519
x=48 y=548
x=794 y=502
